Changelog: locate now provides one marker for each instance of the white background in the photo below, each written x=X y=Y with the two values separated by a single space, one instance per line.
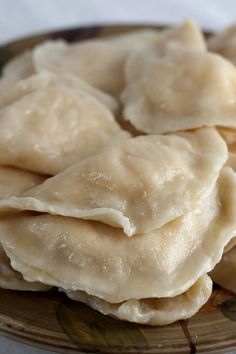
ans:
x=20 y=18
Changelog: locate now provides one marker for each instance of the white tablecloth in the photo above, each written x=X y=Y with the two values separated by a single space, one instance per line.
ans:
x=19 y=18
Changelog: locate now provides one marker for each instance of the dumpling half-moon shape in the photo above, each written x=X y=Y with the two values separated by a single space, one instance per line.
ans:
x=224 y=43
x=47 y=79
x=101 y=61
x=76 y=254
x=224 y=272
x=50 y=129
x=156 y=311
x=139 y=184
x=181 y=90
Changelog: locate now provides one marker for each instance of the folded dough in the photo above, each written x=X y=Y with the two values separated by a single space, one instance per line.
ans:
x=14 y=182
x=139 y=184
x=53 y=127
x=225 y=271
x=74 y=254
x=101 y=61
x=180 y=90
x=156 y=311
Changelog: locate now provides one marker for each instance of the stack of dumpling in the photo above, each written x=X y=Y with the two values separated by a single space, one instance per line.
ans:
x=117 y=177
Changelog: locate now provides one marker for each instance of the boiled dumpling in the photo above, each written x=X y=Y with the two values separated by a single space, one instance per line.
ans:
x=53 y=127
x=101 y=61
x=156 y=311
x=179 y=91
x=138 y=184
x=90 y=256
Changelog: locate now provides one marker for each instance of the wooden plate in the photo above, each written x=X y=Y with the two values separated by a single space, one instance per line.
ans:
x=52 y=321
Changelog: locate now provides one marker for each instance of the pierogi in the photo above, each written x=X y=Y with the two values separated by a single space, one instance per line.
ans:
x=181 y=90
x=139 y=184
x=53 y=127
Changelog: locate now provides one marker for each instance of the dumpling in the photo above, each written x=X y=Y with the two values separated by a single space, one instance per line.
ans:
x=46 y=79
x=75 y=254
x=101 y=61
x=139 y=184
x=224 y=272
x=156 y=311
x=179 y=91
x=95 y=61
x=224 y=43
x=16 y=69
x=53 y=127
x=12 y=183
